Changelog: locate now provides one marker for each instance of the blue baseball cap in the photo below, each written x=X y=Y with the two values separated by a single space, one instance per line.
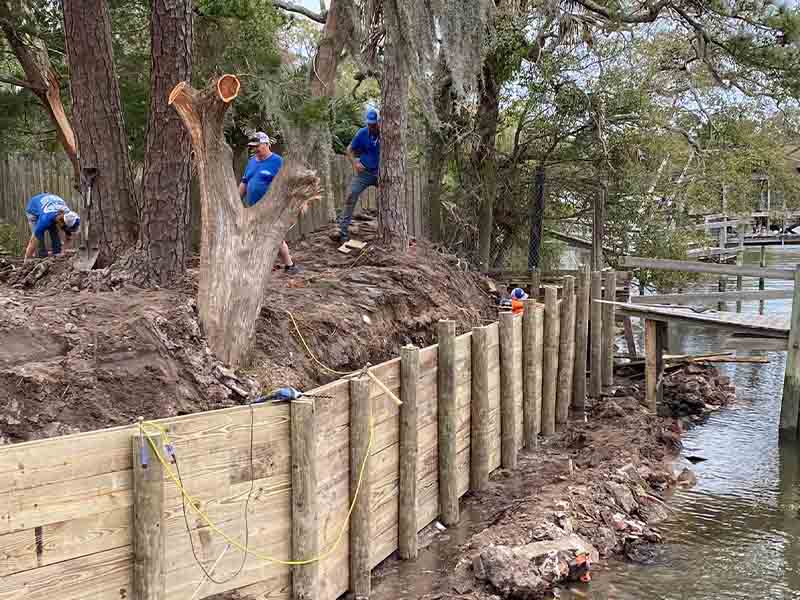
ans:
x=372 y=116
x=519 y=294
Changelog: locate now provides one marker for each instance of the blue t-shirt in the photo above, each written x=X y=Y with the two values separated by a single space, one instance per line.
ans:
x=46 y=208
x=368 y=149
x=258 y=176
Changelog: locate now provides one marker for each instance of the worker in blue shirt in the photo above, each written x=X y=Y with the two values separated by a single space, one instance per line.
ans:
x=262 y=168
x=49 y=213
x=365 y=154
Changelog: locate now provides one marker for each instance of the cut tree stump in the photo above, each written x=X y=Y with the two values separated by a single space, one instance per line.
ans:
x=238 y=245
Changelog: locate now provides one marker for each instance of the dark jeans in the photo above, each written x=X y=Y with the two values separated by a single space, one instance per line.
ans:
x=55 y=238
x=360 y=183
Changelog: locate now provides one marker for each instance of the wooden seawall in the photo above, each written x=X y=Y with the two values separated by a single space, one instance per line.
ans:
x=67 y=504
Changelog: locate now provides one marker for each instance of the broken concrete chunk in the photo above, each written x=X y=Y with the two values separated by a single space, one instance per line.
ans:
x=622 y=496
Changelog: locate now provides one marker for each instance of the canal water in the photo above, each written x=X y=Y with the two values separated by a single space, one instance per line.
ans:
x=736 y=534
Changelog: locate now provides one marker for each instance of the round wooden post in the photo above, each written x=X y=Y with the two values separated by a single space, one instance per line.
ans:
x=609 y=328
x=596 y=311
x=532 y=348
x=566 y=353
x=552 y=322
x=149 y=556
x=790 y=405
x=360 y=520
x=581 y=340
x=448 y=423
x=479 y=423
x=305 y=514
x=510 y=380
x=409 y=427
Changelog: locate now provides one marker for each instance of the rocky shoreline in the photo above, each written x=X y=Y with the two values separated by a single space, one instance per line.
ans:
x=594 y=491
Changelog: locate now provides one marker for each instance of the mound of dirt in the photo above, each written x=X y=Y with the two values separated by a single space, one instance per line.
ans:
x=84 y=351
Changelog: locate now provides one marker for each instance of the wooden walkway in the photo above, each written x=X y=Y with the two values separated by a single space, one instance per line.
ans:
x=736 y=323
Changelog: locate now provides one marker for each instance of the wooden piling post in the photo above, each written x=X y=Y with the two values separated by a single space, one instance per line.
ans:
x=722 y=286
x=149 y=556
x=305 y=513
x=596 y=311
x=479 y=422
x=566 y=353
x=763 y=264
x=536 y=281
x=739 y=263
x=581 y=339
x=532 y=352
x=630 y=340
x=360 y=520
x=509 y=380
x=609 y=328
x=552 y=322
x=655 y=341
x=409 y=426
x=448 y=422
x=790 y=405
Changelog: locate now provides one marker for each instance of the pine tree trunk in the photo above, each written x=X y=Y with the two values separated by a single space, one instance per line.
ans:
x=338 y=27
x=166 y=182
x=99 y=127
x=488 y=115
x=437 y=158
x=32 y=55
x=239 y=245
x=392 y=220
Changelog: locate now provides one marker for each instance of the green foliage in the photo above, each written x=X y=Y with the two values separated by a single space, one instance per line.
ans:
x=10 y=242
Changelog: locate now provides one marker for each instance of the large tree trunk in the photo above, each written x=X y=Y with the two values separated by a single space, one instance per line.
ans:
x=166 y=182
x=239 y=244
x=488 y=114
x=43 y=81
x=392 y=219
x=437 y=154
x=339 y=26
x=99 y=127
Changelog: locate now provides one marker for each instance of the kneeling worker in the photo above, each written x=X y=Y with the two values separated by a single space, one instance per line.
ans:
x=49 y=213
x=258 y=175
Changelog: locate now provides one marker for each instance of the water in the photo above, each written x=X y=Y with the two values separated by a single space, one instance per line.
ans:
x=736 y=535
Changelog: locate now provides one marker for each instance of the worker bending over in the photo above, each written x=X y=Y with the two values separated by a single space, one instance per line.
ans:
x=365 y=154
x=262 y=168
x=49 y=213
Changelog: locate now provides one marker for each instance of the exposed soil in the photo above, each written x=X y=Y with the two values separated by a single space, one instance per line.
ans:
x=83 y=351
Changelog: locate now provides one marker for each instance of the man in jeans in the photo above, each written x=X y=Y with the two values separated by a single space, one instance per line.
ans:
x=48 y=213
x=365 y=154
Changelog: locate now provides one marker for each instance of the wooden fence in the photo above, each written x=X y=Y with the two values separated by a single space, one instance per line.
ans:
x=24 y=176
x=81 y=518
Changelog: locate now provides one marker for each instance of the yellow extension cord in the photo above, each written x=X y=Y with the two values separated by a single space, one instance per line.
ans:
x=194 y=504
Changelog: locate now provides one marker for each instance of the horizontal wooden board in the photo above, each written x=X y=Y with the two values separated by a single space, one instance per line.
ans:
x=100 y=576
x=58 y=542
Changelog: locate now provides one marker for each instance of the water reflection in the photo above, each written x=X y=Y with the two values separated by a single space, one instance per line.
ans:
x=736 y=535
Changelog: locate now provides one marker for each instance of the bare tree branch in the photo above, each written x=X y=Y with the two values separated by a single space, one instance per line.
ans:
x=301 y=10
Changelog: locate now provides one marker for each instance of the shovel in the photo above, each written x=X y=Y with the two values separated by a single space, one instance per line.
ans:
x=88 y=252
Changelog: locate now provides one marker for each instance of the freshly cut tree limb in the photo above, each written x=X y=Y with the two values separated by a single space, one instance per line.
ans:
x=239 y=245
x=41 y=79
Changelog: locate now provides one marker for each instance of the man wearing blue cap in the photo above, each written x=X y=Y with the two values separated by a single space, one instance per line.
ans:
x=49 y=213
x=261 y=170
x=365 y=154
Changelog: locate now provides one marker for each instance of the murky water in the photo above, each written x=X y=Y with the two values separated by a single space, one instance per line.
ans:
x=736 y=535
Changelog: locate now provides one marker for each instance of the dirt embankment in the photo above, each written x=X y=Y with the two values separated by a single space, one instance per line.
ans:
x=86 y=351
